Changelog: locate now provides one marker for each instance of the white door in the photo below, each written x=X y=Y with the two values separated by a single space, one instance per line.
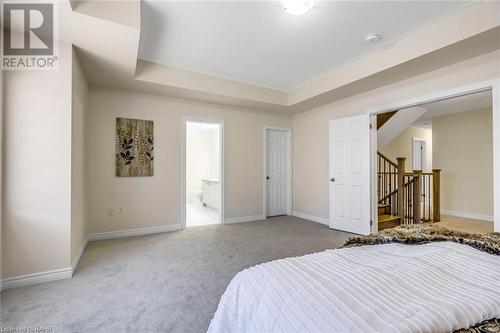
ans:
x=419 y=152
x=350 y=174
x=277 y=172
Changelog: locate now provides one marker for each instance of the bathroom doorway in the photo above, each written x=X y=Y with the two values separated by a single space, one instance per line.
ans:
x=203 y=175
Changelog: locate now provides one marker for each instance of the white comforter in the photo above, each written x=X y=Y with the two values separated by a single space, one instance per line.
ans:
x=437 y=287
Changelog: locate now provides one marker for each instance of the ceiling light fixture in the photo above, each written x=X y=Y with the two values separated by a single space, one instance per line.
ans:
x=372 y=38
x=297 y=7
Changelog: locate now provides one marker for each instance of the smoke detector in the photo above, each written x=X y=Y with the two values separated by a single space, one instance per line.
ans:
x=372 y=38
x=298 y=7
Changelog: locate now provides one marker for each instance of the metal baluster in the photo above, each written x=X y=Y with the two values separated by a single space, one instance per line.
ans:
x=390 y=187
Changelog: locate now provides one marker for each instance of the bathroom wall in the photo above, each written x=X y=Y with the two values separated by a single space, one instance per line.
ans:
x=202 y=156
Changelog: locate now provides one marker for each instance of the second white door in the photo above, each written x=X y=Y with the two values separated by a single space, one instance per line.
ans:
x=419 y=152
x=277 y=157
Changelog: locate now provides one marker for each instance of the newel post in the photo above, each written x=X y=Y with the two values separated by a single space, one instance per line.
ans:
x=417 y=195
x=401 y=183
x=436 y=195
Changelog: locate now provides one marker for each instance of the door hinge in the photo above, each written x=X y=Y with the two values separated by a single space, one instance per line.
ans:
x=371 y=126
x=371 y=223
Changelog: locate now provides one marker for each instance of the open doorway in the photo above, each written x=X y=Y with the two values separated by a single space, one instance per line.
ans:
x=203 y=165
x=435 y=164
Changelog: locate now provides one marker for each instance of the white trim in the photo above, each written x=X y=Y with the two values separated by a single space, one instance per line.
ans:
x=312 y=218
x=289 y=170
x=76 y=260
x=222 y=144
x=466 y=215
x=241 y=219
x=373 y=175
x=134 y=232
x=41 y=277
x=496 y=156
x=447 y=94
x=493 y=85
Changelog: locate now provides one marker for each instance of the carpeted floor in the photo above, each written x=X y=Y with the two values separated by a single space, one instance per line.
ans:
x=169 y=282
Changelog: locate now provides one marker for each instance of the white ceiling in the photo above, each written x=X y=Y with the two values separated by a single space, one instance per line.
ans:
x=454 y=105
x=256 y=42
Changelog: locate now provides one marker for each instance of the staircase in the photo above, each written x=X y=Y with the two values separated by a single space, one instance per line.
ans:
x=406 y=197
x=385 y=219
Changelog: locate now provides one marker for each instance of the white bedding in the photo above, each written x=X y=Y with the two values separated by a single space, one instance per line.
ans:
x=436 y=287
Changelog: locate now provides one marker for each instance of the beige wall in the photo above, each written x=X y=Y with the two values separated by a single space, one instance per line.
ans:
x=78 y=147
x=402 y=146
x=37 y=169
x=310 y=129
x=1 y=163
x=156 y=201
x=463 y=150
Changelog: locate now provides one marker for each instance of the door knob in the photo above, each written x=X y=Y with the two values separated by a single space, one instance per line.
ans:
x=332 y=179
x=267 y=177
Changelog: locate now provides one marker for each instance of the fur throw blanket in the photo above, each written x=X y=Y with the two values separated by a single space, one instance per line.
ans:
x=427 y=233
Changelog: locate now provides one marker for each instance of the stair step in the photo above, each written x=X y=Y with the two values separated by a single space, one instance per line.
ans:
x=387 y=221
x=383 y=209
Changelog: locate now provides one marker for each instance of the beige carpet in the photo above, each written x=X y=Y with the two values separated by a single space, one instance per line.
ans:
x=169 y=282
x=465 y=225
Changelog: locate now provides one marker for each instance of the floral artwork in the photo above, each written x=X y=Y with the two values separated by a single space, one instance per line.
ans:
x=134 y=148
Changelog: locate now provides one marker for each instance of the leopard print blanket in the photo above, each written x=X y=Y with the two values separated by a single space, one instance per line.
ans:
x=427 y=233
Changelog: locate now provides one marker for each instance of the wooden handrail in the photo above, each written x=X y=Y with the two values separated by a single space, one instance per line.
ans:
x=387 y=159
x=408 y=183
x=414 y=196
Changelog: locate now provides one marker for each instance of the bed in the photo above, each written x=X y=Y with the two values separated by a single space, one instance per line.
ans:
x=413 y=283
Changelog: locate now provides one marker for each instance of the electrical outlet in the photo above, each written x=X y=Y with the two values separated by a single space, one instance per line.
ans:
x=120 y=211
x=111 y=212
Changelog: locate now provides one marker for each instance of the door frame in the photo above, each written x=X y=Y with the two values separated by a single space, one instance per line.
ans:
x=184 y=121
x=424 y=157
x=289 y=138
x=493 y=85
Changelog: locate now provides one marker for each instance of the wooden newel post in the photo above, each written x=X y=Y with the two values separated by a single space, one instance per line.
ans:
x=401 y=182
x=417 y=195
x=436 y=195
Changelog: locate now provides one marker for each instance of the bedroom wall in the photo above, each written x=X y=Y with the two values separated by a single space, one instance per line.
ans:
x=310 y=149
x=1 y=171
x=402 y=146
x=78 y=160
x=37 y=169
x=156 y=201
x=463 y=149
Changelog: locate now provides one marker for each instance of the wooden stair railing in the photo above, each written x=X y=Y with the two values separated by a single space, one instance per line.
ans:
x=414 y=196
x=387 y=182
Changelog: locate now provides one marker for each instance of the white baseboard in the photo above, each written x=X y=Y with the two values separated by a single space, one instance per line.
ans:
x=29 y=279
x=313 y=218
x=466 y=215
x=253 y=218
x=134 y=232
x=76 y=260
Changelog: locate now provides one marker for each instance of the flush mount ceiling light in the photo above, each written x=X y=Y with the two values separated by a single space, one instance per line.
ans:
x=298 y=7
x=372 y=38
